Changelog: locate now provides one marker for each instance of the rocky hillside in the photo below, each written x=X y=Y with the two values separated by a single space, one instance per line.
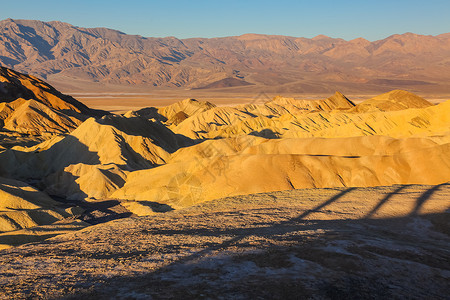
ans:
x=193 y=151
x=31 y=106
x=60 y=52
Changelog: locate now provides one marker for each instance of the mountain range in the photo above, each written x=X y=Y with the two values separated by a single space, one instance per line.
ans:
x=62 y=53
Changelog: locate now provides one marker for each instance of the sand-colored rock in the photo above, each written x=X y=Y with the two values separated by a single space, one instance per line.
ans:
x=327 y=144
x=397 y=123
x=94 y=159
x=192 y=151
x=131 y=143
x=34 y=118
x=205 y=179
x=211 y=120
x=80 y=181
x=27 y=215
x=353 y=146
x=188 y=106
x=16 y=195
x=283 y=105
x=31 y=107
x=393 y=100
x=336 y=102
x=16 y=85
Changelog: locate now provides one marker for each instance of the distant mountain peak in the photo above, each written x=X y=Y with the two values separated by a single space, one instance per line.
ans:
x=320 y=37
x=63 y=53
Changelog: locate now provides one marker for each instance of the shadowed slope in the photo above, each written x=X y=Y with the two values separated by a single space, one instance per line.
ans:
x=22 y=206
x=30 y=106
x=14 y=85
x=94 y=159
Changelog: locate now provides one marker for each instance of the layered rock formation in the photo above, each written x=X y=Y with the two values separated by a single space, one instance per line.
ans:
x=31 y=106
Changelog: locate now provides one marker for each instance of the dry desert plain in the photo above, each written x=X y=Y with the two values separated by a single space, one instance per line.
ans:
x=246 y=195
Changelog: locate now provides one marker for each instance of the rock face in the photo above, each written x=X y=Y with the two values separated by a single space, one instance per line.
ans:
x=60 y=52
x=15 y=85
x=394 y=100
x=22 y=207
x=31 y=106
x=286 y=166
x=35 y=118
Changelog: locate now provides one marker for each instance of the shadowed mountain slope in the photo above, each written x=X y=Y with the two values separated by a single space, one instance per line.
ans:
x=14 y=85
x=31 y=106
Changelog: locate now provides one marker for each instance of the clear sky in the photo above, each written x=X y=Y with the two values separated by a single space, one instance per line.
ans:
x=370 y=19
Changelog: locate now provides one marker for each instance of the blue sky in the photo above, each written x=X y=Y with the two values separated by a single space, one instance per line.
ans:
x=346 y=19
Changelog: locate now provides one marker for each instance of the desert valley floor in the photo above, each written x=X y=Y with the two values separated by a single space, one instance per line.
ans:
x=250 y=197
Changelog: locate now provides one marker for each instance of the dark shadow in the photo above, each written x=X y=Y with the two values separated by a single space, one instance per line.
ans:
x=42 y=215
x=266 y=133
x=385 y=200
x=30 y=35
x=119 y=181
x=347 y=275
x=15 y=240
x=102 y=211
x=61 y=154
x=263 y=230
x=424 y=197
x=150 y=113
x=8 y=61
x=177 y=57
x=107 y=218
x=66 y=152
x=140 y=126
x=324 y=204
x=157 y=207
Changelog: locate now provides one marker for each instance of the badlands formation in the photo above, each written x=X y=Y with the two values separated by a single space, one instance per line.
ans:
x=193 y=151
x=64 y=167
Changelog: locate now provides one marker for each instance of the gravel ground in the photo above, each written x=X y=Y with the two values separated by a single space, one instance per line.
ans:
x=355 y=243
